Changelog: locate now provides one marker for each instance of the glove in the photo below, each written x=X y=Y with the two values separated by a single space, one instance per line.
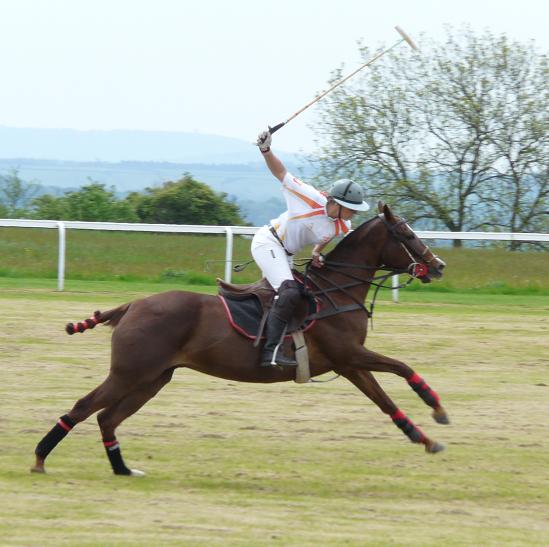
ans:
x=264 y=140
x=317 y=260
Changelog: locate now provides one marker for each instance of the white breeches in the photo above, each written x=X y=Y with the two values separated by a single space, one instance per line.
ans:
x=271 y=258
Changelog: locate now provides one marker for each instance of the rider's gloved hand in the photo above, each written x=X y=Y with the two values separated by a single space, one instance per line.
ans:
x=318 y=260
x=264 y=140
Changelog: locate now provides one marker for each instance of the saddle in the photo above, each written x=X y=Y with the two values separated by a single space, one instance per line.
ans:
x=247 y=307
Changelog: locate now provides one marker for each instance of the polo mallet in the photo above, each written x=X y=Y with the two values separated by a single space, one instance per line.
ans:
x=405 y=38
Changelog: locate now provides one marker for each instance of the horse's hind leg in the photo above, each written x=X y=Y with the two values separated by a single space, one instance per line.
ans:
x=372 y=361
x=366 y=382
x=104 y=395
x=111 y=417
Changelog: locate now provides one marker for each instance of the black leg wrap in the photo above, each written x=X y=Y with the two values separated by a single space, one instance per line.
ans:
x=115 y=457
x=55 y=435
x=408 y=428
x=420 y=386
x=426 y=396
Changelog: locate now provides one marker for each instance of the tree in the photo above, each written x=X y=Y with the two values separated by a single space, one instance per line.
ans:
x=92 y=203
x=15 y=194
x=431 y=133
x=49 y=207
x=185 y=201
x=521 y=141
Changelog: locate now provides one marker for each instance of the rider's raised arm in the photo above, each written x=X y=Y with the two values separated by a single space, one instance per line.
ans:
x=273 y=163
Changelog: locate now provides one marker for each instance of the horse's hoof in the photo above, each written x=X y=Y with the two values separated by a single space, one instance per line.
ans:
x=433 y=447
x=137 y=473
x=37 y=469
x=38 y=466
x=440 y=416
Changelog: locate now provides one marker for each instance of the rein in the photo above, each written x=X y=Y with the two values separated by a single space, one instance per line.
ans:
x=418 y=267
x=312 y=276
x=356 y=281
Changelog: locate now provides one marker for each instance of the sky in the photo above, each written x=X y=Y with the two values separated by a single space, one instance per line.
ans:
x=224 y=67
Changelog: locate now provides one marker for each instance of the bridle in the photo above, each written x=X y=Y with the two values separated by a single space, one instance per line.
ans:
x=420 y=263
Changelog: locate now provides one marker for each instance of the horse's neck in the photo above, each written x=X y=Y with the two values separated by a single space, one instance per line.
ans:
x=362 y=249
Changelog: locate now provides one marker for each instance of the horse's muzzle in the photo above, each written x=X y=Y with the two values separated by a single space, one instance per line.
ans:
x=436 y=268
x=427 y=272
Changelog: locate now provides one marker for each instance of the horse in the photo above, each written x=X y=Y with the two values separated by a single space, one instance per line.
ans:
x=154 y=336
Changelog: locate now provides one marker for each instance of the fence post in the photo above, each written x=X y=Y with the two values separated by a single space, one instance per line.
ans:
x=394 y=282
x=61 y=259
x=229 y=254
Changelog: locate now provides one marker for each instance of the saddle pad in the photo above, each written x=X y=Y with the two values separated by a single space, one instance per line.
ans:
x=245 y=315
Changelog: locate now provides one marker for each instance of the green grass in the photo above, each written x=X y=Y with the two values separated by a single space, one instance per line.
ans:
x=198 y=260
x=282 y=464
x=117 y=291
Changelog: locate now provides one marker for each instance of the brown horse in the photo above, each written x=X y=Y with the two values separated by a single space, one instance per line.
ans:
x=154 y=336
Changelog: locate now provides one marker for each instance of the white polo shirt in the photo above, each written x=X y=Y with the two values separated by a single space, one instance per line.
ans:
x=306 y=221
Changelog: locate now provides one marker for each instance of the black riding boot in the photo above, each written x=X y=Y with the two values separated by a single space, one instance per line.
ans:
x=274 y=331
x=279 y=317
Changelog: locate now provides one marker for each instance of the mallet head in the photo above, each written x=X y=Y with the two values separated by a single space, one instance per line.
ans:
x=407 y=38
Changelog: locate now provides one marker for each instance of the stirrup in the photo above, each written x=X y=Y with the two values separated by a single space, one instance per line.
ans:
x=283 y=361
x=277 y=359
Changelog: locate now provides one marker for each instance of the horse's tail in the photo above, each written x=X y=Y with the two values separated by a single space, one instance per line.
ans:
x=111 y=318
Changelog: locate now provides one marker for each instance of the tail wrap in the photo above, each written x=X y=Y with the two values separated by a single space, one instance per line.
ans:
x=111 y=318
x=81 y=326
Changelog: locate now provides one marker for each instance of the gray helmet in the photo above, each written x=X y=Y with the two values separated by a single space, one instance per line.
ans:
x=349 y=194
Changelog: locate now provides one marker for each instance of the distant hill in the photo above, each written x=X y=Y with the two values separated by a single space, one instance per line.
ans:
x=251 y=181
x=66 y=159
x=124 y=145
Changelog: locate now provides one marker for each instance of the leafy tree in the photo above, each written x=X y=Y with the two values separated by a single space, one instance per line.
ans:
x=50 y=207
x=185 y=201
x=456 y=136
x=92 y=203
x=15 y=194
x=521 y=141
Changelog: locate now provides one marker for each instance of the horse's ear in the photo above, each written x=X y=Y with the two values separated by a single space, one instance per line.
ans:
x=388 y=213
x=380 y=205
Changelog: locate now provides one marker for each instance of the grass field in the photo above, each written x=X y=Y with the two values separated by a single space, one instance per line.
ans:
x=189 y=259
x=285 y=464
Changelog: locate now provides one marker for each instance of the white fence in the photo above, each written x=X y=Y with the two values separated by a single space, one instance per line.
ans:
x=229 y=232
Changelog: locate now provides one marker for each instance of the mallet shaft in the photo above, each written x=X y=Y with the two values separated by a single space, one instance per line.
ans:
x=405 y=38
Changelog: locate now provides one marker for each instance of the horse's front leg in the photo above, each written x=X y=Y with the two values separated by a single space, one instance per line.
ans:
x=366 y=382
x=375 y=362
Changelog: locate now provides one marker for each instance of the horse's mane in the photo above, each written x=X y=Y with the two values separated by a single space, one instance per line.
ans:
x=349 y=240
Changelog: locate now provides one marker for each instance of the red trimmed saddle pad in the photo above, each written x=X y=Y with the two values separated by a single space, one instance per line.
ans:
x=245 y=312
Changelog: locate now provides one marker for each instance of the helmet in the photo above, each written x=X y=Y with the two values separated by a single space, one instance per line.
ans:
x=349 y=194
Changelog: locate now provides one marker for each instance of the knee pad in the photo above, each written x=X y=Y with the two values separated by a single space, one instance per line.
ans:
x=289 y=293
